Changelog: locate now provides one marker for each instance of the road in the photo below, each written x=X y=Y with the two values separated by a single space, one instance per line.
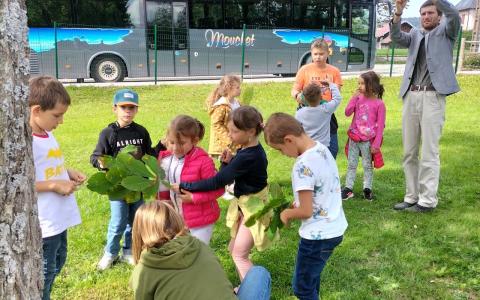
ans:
x=382 y=69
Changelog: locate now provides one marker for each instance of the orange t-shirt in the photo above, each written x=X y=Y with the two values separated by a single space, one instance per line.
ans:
x=311 y=73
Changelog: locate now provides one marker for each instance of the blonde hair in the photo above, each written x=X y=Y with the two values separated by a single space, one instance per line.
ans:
x=222 y=89
x=155 y=224
x=320 y=44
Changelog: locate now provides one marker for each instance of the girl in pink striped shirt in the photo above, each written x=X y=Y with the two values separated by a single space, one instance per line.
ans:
x=366 y=131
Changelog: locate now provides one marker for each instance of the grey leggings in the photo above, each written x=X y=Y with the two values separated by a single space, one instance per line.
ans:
x=354 y=151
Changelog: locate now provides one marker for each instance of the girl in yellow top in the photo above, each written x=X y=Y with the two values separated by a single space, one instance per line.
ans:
x=220 y=103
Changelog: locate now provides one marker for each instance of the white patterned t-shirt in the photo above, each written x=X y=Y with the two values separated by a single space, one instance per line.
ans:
x=56 y=212
x=316 y=170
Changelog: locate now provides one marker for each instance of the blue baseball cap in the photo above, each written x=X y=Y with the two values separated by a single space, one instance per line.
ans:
x=125 y=96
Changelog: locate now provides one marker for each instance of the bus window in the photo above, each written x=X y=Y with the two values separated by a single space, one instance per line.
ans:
x=340 y=17
x=180 y=25
x=360 y=20
x=206 y=14
x=160 y=13
x=307 y=14
x=249 y=12
x=92 y=12
x=356 y=56
x=280 y=13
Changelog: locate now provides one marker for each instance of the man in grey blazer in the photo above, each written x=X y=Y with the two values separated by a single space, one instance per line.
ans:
x=429 y=77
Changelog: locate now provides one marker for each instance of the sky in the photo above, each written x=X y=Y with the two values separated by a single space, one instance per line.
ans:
x=414 y=7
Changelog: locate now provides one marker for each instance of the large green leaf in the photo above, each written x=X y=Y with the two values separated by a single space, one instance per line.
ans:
x=132 y=197
x=151 y=192
x=137 y=167
x=254 y=204
x=98 y=183
x=152 y=164
x=136 y=183
x=118 y=192
x=115 y=173
x=276 y=191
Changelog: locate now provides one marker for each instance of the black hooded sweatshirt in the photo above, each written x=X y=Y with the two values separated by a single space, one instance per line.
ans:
x=113 y=138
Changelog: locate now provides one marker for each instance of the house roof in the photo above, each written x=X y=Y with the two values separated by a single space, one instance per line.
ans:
x=466 y=4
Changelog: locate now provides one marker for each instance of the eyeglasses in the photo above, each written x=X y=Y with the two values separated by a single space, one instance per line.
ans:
x=127 y=107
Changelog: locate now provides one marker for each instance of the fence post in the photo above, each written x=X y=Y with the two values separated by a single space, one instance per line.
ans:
x=155 y=45
x=243 y=48
x=461 y=56
x=348 y=51
x=392 y=56
x=56 y=48
x=459 y=39
x=323 y=32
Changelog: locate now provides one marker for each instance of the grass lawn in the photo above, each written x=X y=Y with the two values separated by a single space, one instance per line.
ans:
x=385 y=254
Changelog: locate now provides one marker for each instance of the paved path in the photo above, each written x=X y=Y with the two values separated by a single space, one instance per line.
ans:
x=383 y=69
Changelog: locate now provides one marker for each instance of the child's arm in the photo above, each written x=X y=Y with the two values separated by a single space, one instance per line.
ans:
x=298 y=86
x=381 y=114
x=226 y=175
x=101 y=148
x=331 y=106
x=304 y=211
x=350 y=109
x=76 y=176
x=62 y=187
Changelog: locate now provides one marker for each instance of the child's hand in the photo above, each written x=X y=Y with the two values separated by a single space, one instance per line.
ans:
x=298 y=98
x=186 y=196
x=226 y=156
x=284 y=217
x=374 y=150
x=64 y=187
x=175 y=187
x=76 y=176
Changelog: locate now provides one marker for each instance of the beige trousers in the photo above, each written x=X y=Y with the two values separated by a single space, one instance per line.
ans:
x=423 y=119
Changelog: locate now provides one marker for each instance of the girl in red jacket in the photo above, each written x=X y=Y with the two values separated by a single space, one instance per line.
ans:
x=185 y=161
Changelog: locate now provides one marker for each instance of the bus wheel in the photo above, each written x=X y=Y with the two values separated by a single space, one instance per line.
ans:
x=108 y=69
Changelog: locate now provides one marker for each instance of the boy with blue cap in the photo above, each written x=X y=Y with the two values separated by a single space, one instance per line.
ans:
x=124 y=131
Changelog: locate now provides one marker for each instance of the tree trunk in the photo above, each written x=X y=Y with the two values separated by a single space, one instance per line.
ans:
x=20 y=237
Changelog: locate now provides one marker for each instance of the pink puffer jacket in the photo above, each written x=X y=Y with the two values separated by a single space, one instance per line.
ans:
x=204 y=209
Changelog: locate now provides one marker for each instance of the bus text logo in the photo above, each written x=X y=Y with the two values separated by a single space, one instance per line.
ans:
x=216 y=39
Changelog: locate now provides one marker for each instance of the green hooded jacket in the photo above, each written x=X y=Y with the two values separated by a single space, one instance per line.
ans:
x=183 y=268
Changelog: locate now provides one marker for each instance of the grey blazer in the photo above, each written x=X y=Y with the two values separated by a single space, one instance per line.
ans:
x=439 y=44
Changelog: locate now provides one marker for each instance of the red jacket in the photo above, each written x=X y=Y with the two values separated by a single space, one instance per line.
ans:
x=204 y=209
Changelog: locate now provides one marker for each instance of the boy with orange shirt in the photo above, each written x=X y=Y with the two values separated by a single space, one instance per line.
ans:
x=316 y=71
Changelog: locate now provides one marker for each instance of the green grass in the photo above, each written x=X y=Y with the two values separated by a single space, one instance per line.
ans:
x=385 y=254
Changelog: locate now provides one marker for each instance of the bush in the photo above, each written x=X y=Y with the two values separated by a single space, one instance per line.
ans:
x=472 y=60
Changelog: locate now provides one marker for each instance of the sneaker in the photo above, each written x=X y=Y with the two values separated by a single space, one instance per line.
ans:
x=368 y=194
x=419 y=208
x=127 y=257
x=106 y=262
x=403 y=205
x=347 y=193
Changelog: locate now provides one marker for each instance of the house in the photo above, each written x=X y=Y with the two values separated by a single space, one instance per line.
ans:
x=467 y=9
x=382 y=34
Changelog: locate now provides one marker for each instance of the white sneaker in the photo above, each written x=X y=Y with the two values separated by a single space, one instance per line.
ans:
x=127 y=257
x=106 y=262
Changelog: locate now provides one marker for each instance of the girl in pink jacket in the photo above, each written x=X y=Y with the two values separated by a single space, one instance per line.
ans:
x=185 y=161
x=366 y=131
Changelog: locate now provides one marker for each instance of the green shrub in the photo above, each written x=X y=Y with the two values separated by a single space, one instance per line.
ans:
x=472 y=60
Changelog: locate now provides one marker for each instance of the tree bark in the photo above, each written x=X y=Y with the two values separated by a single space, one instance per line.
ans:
x=20 y=237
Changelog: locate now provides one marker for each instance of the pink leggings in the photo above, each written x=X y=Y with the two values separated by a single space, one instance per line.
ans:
x=240 y=247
